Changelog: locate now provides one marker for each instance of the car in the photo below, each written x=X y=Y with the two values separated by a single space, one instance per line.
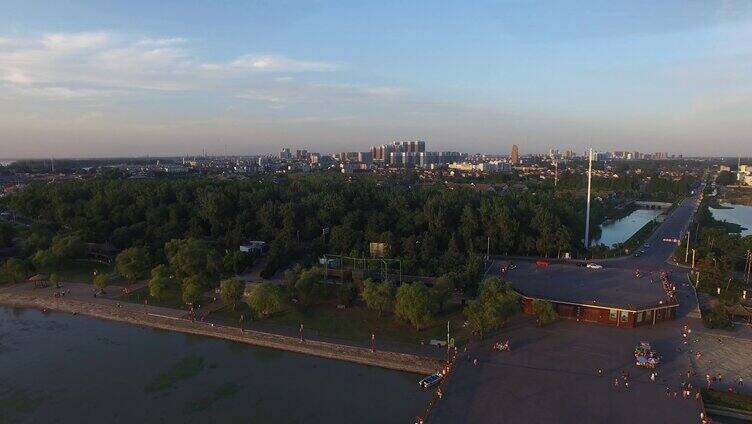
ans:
x=638 y=253
x=592 y=265
x=542 y=263
x=646 y=245
x=581 y=264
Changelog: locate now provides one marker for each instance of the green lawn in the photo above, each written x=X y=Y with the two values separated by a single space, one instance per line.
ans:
x=358 y=322
x=727 y=400
x=82 y=271
x=174 y=298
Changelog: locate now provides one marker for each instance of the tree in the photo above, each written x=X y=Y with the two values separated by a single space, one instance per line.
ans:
x=55 y=279
x=545 y=311
x=265 y=299
x=725 y=178
x=476 y=317
x=231 y=290
x=496 y=303
x=290 y=277
x=378 y=296
x=7 y=232
x=101 y=280
x=235 y=261
x=413 y=304
x=191 y=257
x=499 y=301
x=159 y=282
x=192 y=290
x=45 y=260
x=16 y=269
x=443 y=288
x=307 y=288
x=68 y=246
x=132 y=263
x=346 y=294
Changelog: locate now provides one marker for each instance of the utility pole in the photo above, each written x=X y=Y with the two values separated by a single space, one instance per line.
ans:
x=556 y=173
x=587 y=212
x=693 y=258
x=686 y=255
x=749 y=265
x=448 y=342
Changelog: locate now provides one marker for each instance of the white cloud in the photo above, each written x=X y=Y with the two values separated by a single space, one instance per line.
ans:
x=280 y=64
x=104 y=62
x=74 y=41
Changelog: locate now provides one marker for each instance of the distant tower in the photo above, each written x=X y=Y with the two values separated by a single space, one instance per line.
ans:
x=515 y=155
x=52 y=165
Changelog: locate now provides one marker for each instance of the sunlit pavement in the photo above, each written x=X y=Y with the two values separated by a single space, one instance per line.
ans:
x=551 y=375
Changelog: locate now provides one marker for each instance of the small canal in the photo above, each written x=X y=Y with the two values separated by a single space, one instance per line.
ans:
x=620 y=230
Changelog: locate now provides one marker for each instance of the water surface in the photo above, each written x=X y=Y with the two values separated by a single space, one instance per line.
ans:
x=620 y=230
x=738 y=214
x=60 y=368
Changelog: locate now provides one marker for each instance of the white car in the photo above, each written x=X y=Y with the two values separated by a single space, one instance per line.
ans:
x=592 y=265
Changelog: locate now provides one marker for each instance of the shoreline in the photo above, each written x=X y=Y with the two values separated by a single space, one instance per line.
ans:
x=108 y=310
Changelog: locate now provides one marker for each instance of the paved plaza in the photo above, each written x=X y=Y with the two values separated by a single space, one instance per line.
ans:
x=551 y=375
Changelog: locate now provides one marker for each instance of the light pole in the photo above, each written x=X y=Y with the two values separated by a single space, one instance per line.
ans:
x=694 y=251
x=587 y=211
x=686 y=255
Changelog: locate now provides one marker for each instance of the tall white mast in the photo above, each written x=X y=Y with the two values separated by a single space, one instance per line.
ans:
x=587 y=212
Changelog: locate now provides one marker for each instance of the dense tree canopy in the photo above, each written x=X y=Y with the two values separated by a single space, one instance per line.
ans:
x=432 y=229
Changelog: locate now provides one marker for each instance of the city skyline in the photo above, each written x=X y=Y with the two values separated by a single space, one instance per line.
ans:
x=86 y=80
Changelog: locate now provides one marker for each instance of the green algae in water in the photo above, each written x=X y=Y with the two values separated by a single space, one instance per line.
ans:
x=188 y=367
x=224 y=391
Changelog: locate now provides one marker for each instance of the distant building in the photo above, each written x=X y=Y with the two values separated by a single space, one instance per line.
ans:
x=515 y=155
x=365 y=157
x=494 y=166
x=301 y=154
x=285 y=154
x=724 y=168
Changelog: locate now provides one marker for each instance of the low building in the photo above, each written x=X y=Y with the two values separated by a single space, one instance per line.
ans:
x=255 y=246
x=606 y=296
x=616 y=315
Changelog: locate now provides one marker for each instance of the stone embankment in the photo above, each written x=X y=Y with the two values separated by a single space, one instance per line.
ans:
x=156 y=317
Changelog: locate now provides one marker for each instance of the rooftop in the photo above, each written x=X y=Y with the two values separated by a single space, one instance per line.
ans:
x=617 y=288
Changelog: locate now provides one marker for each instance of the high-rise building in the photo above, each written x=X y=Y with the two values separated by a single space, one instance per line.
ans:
x=515 y=155
x=285 y=154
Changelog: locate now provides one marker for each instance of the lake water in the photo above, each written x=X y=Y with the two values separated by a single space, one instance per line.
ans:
x=620 y=230
x=740 y=214
x=60 y=368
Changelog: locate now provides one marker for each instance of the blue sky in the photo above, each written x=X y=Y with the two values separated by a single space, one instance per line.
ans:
x=97 y=78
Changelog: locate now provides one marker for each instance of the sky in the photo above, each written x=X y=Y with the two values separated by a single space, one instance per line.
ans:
x=180 y=77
